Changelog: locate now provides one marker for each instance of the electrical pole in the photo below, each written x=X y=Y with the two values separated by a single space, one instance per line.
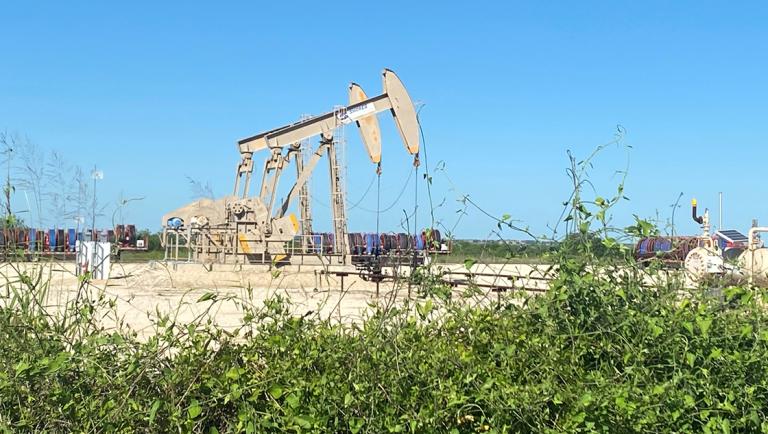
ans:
x=720 y=219
x=96 y=175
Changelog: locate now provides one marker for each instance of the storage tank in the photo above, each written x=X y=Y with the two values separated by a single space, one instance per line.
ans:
x=755 y=263
x=702 y=261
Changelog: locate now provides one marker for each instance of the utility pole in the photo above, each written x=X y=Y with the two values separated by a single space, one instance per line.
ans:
x=720 y=214
x=96 y=175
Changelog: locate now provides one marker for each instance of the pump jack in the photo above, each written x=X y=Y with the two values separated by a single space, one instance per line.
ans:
x=242 y=228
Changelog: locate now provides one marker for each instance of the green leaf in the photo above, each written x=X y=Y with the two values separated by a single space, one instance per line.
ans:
x=356 y=424
x=194 y=409
x=469 y=262
x=348 y=398
x=746 y=330
x=276 y=391
x=292 y=400
x=584 y=227
x=153 y=410
x=233 y=373
x=726 y=426
x=690 y=358
x=655 y=329
x=600 y=215
x=207 y=296
x=303 y=421
x=620 y=402
x=704 y=325
x=585 y=399
x=424 y=309
x=21 y=367
x=688 y=326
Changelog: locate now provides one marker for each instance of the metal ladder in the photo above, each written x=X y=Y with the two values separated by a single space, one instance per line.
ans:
x=305 y=209
x=336 y=158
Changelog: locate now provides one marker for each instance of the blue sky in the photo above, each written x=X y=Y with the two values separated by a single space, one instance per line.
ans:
x=154 y=92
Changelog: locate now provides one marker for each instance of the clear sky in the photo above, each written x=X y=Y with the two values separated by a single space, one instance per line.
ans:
x=155 y=92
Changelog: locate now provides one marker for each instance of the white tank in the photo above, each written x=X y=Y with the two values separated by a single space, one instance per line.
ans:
x=755 y=263
x=701 y=262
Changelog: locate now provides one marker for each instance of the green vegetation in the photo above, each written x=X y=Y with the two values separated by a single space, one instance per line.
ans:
x=521 y=252
x=498 y=251
x=611 y=347
x=598 y=352
x=154 y=250
x=139 y=256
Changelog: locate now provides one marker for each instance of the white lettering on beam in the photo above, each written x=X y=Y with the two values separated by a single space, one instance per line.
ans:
x=356 y=113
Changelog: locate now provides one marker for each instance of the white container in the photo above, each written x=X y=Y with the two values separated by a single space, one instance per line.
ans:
x=93 y=257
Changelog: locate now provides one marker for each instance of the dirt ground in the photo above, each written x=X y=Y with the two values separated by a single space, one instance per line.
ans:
x=144 y=291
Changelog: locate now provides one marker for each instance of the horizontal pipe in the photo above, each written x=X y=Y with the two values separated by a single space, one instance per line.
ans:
x=505 y=276
x=752 y=233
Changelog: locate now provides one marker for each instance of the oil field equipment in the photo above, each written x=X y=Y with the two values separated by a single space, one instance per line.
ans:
x=728 y=251
x=707 y=258
x=670 y=250
x=93 y=257
x=33 y=243
x=699 y=254
x=754 y=260
x=257 y=228
x=732 y=243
